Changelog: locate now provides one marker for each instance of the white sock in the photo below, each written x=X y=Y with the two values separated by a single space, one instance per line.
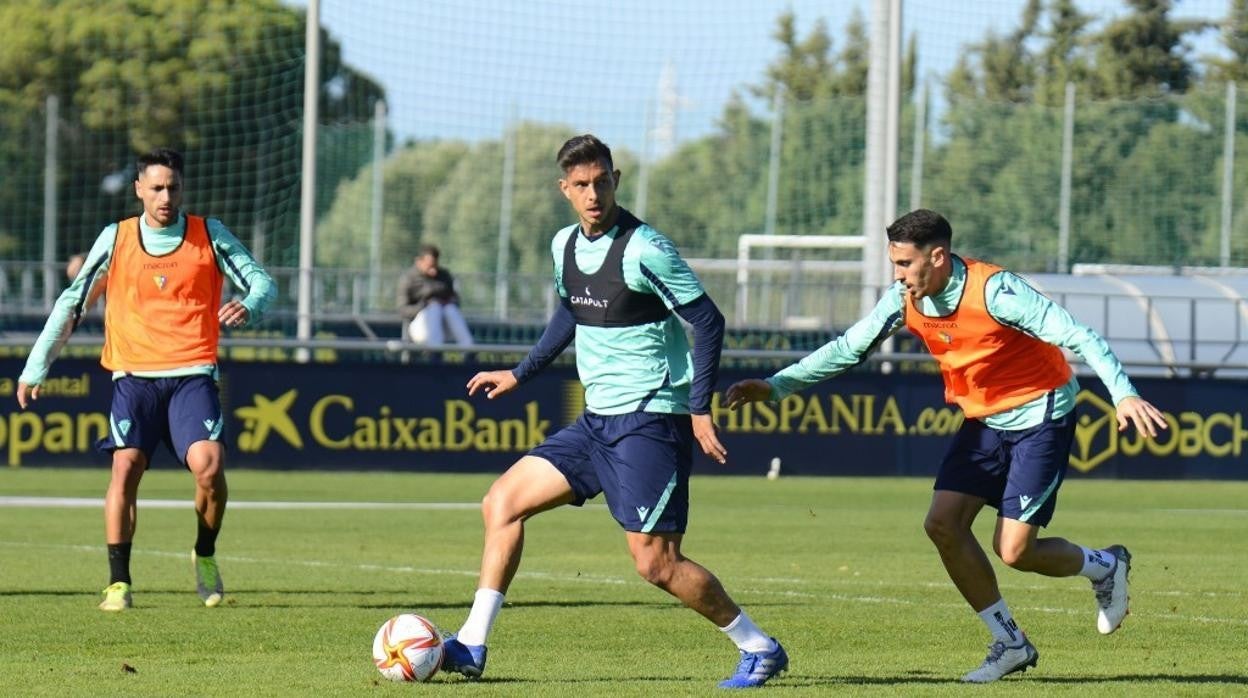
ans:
x=747 y=636
x=485 y=607
x=1097 y=564
x=1001 y=624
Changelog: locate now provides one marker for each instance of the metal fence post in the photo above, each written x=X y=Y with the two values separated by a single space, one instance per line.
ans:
x=50 y=278
x=1228 y=176
x=1063 y=212
x=375 y=222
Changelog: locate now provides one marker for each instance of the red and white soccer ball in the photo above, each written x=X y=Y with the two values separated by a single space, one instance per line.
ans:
x=407 y=648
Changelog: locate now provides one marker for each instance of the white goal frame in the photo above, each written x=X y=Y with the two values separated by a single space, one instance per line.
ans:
x=748 y=242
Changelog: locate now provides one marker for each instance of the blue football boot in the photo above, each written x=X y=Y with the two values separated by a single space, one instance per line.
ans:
x=468 y=660
x=757 y=668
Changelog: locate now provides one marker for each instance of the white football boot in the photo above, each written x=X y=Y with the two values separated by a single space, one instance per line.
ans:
x=1003 y=660
x=1111 y=592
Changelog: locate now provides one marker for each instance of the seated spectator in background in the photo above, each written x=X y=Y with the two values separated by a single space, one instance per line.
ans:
x=428 y=302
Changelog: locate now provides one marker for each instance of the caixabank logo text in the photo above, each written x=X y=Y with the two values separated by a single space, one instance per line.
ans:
x=1189 y=434
x=339 y=422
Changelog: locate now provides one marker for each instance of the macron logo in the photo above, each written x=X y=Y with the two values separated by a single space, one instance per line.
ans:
x=1024 y=501
x=214 y=427
x=642 y=512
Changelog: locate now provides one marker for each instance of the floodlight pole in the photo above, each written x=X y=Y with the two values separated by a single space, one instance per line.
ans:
x=378 y=200
x=307 y=192
x=892 y=155
x=876 y=206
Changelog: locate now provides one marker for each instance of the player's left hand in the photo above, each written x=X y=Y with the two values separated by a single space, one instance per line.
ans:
x=26 y=393
x=1138 y=411
x=751 y=390
x=494 y=383
x=233 y=314
x=704 y=432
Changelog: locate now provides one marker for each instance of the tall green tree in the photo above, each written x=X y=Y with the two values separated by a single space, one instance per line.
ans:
x=222 y=81
x=999 y=169
x=711 y=191
x=1155 y=209
x=997 y=174
x=462 y=215
x=999 y=67
x=411 y=177
x=1235 y=38
x=1135 y=125
x=1143 y=53
x=1064 y=56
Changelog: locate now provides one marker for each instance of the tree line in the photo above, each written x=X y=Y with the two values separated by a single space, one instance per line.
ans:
x=223 y=81
x=1145 y=182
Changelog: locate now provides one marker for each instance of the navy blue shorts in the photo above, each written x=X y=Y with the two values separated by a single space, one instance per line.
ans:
x=175 y=411
x=641 y=460
x=1017 y=472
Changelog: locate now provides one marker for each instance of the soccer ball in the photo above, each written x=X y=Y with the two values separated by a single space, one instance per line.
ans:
x=407 y=648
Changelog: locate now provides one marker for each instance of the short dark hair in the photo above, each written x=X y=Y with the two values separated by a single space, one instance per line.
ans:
x=431 y=250
x=582 y=150
x=167 y=157
x=922 y=228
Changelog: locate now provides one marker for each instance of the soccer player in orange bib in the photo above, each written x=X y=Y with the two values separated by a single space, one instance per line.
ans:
x=996 y=340
x=163 y=273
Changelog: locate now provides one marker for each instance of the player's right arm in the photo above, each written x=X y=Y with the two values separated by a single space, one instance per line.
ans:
x=832 y=359
x=66 y=313
x=559 y=333
x=555 y=338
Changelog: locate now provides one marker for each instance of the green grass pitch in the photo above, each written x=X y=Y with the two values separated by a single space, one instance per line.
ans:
x=839 y=569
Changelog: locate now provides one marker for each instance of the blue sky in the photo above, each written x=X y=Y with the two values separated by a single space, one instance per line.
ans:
x=466 y=68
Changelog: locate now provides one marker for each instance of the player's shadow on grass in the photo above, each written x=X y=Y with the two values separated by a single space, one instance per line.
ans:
x=806 y=680
x=548 y=681
x=1170 y=678
x=402 y=600
x=46 y=592
x=656 y=605
x=803 y=680
x=536 y=604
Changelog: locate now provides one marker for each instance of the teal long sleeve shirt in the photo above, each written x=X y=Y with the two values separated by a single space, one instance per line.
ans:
x=1012 y=301
x=234 y=260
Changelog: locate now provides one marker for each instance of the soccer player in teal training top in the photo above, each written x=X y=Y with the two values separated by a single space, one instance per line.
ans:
x=648 y=402
x=162 y=273
x=997 y=342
